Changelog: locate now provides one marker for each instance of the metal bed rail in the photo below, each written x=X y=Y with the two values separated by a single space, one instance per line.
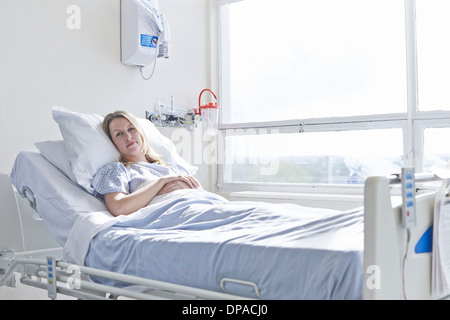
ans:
x=73 y=280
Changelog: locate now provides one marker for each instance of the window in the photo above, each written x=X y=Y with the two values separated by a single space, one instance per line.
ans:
x=343 y=157
x=328 y=92
x=433 y=53
x=301 y=59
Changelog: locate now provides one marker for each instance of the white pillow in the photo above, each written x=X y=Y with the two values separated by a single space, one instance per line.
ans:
x=89 y=148
x=55 y=153
x=163 y=146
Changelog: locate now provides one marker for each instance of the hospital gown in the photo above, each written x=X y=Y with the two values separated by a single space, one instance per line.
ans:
x=116 y=177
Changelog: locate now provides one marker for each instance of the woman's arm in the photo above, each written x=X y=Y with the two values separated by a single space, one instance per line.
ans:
x=119 y=203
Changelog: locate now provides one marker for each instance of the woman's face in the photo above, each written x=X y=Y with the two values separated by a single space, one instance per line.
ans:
x=127 y=139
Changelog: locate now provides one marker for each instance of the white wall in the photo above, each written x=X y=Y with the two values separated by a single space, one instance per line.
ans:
x=43 y=63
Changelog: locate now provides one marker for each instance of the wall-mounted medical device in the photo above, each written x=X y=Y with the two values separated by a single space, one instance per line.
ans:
x=167 y=115
x=145 y=34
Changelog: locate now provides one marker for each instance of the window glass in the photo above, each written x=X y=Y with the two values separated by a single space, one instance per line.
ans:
x=436 y=153
x=433 y=52
x=342 y=157
x=296 y=59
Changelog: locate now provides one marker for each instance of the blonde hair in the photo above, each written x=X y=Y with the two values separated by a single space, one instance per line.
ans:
x=149 y=154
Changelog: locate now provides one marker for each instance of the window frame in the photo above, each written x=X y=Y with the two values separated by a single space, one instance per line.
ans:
x=413 y=122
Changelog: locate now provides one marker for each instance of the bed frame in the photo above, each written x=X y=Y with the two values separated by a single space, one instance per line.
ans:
x=393 y=268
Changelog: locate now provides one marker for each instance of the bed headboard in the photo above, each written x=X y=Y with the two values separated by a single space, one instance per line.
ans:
x=20 y=230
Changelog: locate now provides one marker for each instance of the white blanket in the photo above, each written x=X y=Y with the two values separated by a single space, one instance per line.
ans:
x=196 y=238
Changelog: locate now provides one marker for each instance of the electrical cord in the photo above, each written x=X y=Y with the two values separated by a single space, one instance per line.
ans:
x=404 y=263
x=153 y=70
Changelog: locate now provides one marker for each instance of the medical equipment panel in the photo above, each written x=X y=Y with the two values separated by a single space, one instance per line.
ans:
x=408 y=196
x=51 y=277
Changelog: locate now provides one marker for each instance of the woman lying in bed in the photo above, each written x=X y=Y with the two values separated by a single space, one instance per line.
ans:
x=140 y=175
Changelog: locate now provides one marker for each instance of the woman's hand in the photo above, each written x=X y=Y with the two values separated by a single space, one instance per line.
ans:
x=177 y=183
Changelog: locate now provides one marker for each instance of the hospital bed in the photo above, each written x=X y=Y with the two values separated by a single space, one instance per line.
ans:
x=194 y=244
